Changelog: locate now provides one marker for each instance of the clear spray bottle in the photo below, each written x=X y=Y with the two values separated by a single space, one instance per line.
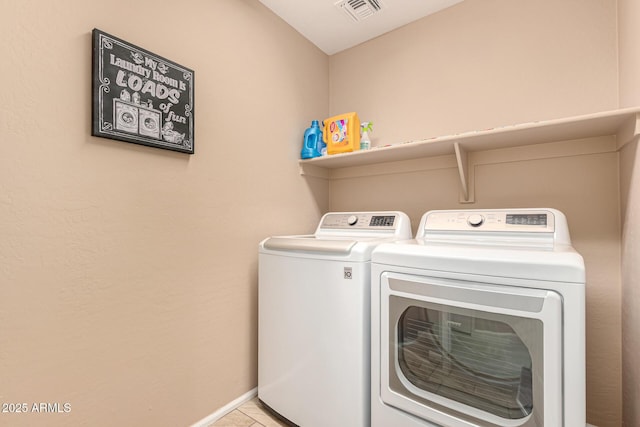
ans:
x=365 y=142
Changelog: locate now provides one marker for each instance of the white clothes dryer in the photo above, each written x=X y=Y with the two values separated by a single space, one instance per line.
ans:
x=479 y=321
x=314 y=318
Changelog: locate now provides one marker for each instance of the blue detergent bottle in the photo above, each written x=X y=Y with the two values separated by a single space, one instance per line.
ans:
x=313 y=142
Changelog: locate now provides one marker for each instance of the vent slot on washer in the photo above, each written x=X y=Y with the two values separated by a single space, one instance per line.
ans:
x=360 y=9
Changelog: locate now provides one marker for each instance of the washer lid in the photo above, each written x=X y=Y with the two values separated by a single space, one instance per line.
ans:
x=345 y=236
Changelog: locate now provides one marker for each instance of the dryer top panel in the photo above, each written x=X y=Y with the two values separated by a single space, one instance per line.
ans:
x=518 y=227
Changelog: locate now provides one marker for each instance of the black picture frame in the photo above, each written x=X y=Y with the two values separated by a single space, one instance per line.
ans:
x=141 y=97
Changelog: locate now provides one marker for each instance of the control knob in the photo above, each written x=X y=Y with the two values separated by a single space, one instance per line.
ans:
x=475 y=220
x=352 y=220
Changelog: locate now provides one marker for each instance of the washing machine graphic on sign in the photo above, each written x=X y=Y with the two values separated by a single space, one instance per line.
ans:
x=136 y=118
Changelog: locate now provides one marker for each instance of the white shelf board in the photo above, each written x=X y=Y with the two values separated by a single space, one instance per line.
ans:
x=617 y=122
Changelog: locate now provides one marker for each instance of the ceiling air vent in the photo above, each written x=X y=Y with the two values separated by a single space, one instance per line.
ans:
x=359 y=9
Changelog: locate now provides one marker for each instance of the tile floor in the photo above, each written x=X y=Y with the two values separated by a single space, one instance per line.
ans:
x=250 y=414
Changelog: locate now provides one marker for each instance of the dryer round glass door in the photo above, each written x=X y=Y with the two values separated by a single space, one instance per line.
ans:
x=477 y=359
x=466 y=353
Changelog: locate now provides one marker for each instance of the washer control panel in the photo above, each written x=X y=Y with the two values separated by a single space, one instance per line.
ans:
x=369 y=221
x=536 y=221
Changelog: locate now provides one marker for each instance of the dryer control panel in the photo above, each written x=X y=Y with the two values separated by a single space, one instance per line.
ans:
x=524 y=225
x=522 y=221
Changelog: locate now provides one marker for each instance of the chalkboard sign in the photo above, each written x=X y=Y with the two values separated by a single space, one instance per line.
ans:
x=141 y=97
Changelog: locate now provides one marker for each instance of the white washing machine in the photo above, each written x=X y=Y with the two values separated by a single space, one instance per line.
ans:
x=480 y=321
x=314 y=318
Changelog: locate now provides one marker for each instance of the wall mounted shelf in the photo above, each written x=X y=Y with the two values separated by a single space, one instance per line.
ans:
x=623 y=123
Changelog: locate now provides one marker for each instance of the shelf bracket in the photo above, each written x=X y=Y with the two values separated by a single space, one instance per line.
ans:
x=629 y=131
x=314 y=171
x=466 y=180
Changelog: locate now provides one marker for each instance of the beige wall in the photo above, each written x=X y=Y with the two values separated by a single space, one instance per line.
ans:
x=128 y=274
x=629 y=62
x=482 y=64
x=630 y=191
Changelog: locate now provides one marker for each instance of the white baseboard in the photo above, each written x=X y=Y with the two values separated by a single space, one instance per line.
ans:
x=227 y=408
